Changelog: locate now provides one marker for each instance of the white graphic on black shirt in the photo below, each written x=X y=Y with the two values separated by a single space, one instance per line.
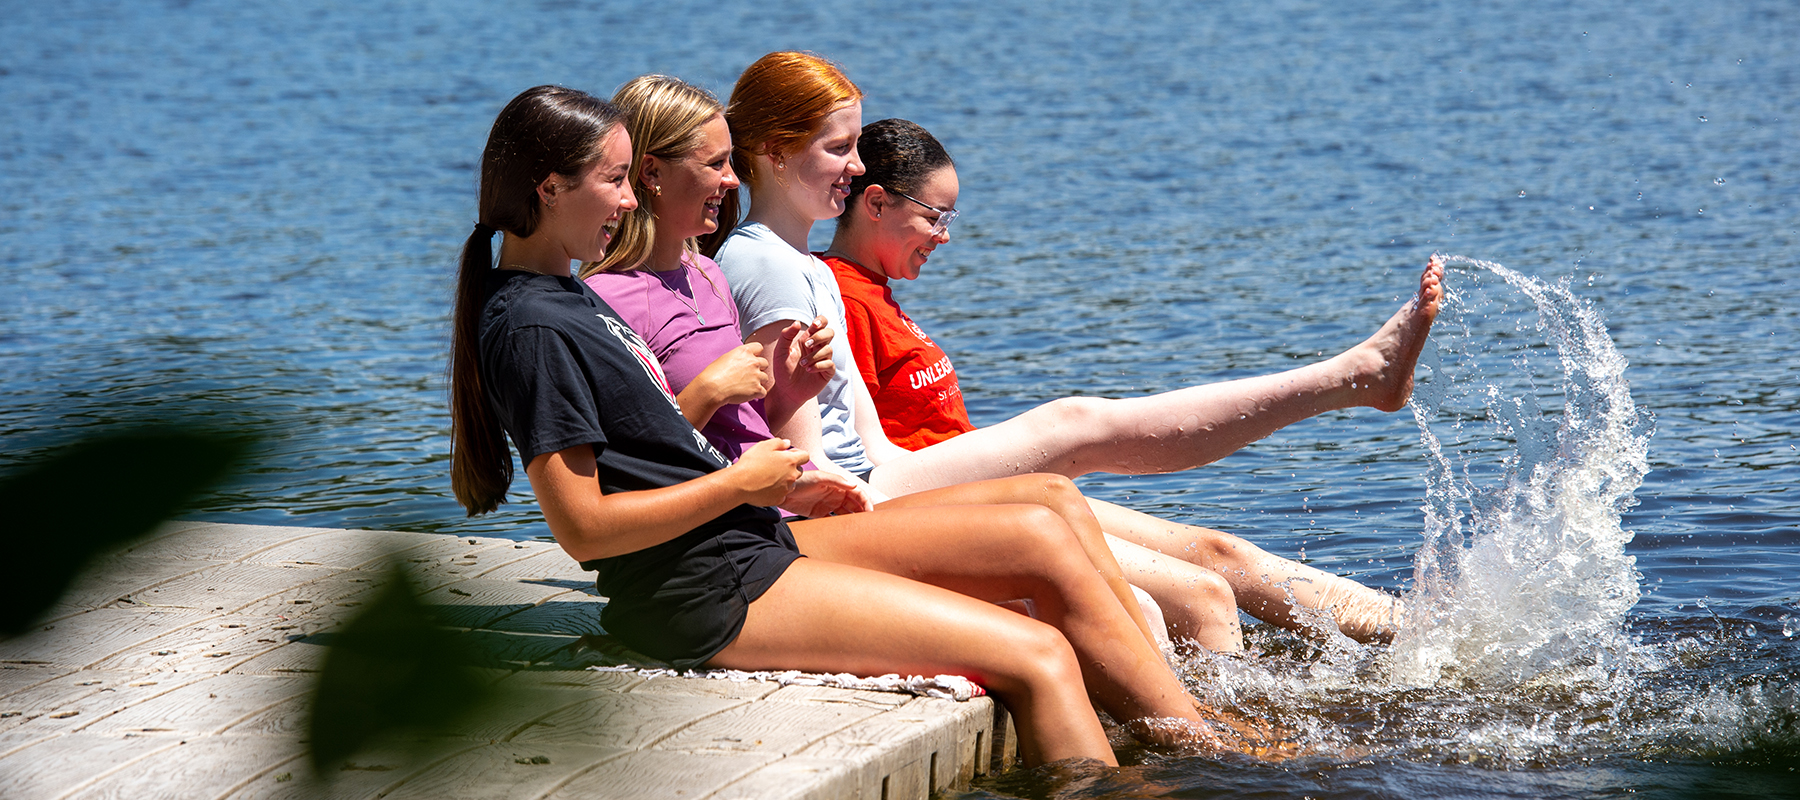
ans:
x=646 y=358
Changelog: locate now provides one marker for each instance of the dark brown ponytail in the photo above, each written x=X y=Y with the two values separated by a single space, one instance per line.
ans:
x=545 y=130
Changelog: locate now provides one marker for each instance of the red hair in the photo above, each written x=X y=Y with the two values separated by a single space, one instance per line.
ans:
x=779 y=102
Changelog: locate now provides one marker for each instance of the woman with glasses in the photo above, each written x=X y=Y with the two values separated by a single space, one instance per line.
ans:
x=805 y=168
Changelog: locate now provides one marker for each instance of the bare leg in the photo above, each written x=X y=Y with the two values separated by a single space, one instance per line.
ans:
x=1262 y=582
x=998 y=553
x=1181 y=429
x=805 y=622
x=1197 y=603
x=1056 y=493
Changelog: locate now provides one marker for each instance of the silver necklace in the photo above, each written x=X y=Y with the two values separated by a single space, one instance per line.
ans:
x=692 y=306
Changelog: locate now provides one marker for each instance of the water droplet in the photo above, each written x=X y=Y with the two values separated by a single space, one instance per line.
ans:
x=1718 y=181
x=1790 y=626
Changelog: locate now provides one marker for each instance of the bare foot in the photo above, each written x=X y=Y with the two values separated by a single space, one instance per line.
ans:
x=1393 y=352
x=1222 y=732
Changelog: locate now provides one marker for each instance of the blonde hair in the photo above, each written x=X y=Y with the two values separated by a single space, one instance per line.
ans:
x=665 y=118
x=779 y=102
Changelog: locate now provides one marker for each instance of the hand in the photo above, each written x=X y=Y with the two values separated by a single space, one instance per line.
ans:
x=768 y=471
x=802 y=360
x=739 y=376
x=821 y=494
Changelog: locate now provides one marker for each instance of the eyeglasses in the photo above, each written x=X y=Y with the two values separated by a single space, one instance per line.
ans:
x=945 y=215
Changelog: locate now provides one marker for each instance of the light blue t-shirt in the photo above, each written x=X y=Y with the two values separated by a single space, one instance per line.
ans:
x=772 y=282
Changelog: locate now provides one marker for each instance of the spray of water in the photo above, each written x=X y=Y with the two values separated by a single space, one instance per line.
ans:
x=1522 y=572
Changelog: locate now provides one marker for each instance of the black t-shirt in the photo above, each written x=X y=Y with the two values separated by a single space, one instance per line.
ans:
x=561 y=370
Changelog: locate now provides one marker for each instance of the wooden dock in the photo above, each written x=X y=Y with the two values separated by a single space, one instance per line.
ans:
x=182 y=667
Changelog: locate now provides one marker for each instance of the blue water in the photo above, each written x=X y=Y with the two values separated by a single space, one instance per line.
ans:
x=249 y=213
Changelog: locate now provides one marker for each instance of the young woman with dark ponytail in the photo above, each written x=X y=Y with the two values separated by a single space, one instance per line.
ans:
x=697 y=566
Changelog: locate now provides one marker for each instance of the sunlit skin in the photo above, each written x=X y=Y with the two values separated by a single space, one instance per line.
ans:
x=814 y=181
x=685 y=192
x=898 y=231
x=578 y=213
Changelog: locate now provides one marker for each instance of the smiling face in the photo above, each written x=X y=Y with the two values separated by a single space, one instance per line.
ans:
x=902 y=240
x=587 y=209
x=692 y=185
x=817 y=178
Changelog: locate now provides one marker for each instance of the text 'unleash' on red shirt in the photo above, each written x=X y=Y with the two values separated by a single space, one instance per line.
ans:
x=911 y=379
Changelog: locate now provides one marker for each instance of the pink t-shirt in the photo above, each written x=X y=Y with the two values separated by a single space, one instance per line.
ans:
x=688 y=319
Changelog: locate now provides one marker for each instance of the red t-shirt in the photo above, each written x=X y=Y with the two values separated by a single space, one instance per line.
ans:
x=913 y=382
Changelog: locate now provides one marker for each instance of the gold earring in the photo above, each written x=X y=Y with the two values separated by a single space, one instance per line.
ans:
x=781 y=165
x=656 y=190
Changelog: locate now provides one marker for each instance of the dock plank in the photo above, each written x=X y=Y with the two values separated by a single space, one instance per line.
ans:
x=630 y=721
x=767 y=727
x=86 y=638
x=216 y=542
x=514 y=770
x=228 y=586
x=44 y=769
x=655 y=774
x=210 y=705
x=476 y=602
x=196 y=767
x=82 y=698
x=215 y=645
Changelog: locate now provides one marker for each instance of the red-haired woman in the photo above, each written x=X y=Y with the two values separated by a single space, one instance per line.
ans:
x=795 y=124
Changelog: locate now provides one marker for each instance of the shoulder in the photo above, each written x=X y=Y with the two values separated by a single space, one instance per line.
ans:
x=707 y=267
x=754 y=249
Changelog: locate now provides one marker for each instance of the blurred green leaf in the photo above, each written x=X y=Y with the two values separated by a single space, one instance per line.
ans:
x=95 y=495
x=391 y=673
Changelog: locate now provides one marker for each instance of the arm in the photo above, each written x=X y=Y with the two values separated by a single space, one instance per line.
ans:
x=738 y=376
x=801 y=426
x=589 y=524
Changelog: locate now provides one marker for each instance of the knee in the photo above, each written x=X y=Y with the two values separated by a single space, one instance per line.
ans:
x=1059 y=491
x=1212 y=589
x=1072 y=413
x=1042 y=655
x=1217 y=549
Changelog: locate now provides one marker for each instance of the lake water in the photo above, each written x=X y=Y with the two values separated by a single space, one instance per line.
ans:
x=250 y=213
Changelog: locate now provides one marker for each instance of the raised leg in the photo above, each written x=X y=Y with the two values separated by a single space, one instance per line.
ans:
x=1184 y=428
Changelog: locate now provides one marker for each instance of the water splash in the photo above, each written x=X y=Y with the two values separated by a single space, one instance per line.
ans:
x=1523 y=571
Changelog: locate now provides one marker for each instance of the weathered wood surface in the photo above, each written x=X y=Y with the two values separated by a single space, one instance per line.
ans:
x=181 y=668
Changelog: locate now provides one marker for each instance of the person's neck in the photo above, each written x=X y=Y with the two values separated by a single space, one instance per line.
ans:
x=852 y=249
x=781 y=217
x=666 y=255
x=534 y=254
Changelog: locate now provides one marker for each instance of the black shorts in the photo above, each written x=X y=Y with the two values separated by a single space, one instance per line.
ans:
x=684 y=600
